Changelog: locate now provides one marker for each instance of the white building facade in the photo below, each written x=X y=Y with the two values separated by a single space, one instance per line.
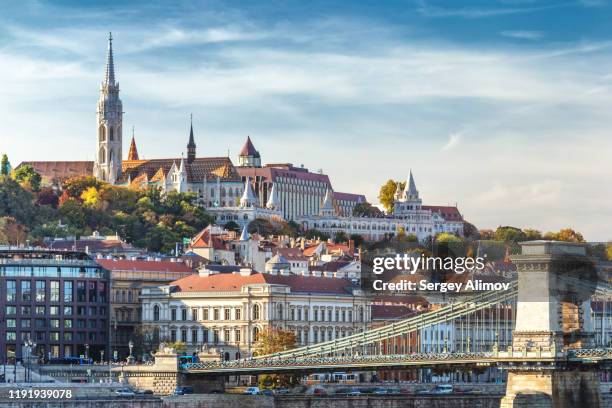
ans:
x=230 y=311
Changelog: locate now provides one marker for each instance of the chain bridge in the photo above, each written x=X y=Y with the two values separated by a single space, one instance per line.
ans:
x=550 y=344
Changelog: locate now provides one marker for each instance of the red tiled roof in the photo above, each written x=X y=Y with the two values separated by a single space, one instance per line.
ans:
x=206 y=240
x=139 y=265
x=60 y=170
x=234 y=282
x=384 y=312
x=330 y=248
x=449 y=213
x=290 y=254
x=402 y=300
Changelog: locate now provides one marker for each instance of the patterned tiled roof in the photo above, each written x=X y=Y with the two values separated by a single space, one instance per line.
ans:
x=60 y=170
x=201 y=167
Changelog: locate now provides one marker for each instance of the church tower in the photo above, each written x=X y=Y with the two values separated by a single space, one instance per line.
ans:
x=107 y=166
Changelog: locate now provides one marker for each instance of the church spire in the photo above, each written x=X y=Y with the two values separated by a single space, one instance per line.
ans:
x=133 y=153
x=191 y=146
x=109 y=78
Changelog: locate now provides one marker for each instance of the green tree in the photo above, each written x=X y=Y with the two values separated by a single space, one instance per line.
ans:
x=5 y=166
x=566 y=234
x=27 y=177
x=386 y=196
x=357 y=239
x=232 y=226
x=532 y=234
x=15 y=201
x=446 y=237
x=315 y=233
x=261 y=226
x=273 y=341
x=340 y=237
x=509 y=234
x=366 y=209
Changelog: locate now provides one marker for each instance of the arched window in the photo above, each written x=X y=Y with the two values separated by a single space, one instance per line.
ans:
x=102 y=156
x=156 y=313
x=256 y=312
x=226 y=356
x=279 y=310
x=255 y=333
x=237 y=356
x=111 y=134
x=101 y=135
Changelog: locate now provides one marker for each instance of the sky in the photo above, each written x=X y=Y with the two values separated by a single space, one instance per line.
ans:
x=502 y=107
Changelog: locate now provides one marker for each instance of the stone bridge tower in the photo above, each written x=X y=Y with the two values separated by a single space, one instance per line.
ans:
x=555 y=283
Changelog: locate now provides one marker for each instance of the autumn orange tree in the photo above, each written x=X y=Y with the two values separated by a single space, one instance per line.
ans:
x=272 y=341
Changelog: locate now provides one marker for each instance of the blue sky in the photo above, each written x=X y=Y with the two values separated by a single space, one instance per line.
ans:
x=504 y=107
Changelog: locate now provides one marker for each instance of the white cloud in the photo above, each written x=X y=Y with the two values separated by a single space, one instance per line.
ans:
x=537 y=119
x=523 y=34
x=453 y=141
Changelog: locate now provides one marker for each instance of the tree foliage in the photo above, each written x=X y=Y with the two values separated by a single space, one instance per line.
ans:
x=387 y=194
x=27 y=177
x=272 y=341
x=144 y=218
x=5 y=166
x=366 y=210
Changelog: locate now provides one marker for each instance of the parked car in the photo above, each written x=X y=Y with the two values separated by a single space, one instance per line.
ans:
x=379 y=391
x=183 y=390
x=319 y=391
x=268 y=393
x=144 y=392
x=252 y=391
x=281 y=391
x=443 y=389
x=354 y=391
x=124 y=392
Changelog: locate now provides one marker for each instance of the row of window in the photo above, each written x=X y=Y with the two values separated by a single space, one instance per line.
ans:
x=296 y=314
x=56 y=323
x=56 y=310
x=85 y=291
x=92 y=337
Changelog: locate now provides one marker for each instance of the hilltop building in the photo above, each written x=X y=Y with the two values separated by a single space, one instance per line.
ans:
x=300 y=192
x=409 y=215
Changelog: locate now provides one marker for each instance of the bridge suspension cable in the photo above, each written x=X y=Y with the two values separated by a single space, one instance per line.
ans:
x=452 y=311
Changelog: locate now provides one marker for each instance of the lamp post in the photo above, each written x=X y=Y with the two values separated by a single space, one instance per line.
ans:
x=130 y=357
x=87 y=351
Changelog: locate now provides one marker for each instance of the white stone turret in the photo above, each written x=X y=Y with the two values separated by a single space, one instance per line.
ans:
x=327 y=206
x=273 y=203
x=181 y=182
x=245 y=234
x=410 y=191
x=248 y=198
